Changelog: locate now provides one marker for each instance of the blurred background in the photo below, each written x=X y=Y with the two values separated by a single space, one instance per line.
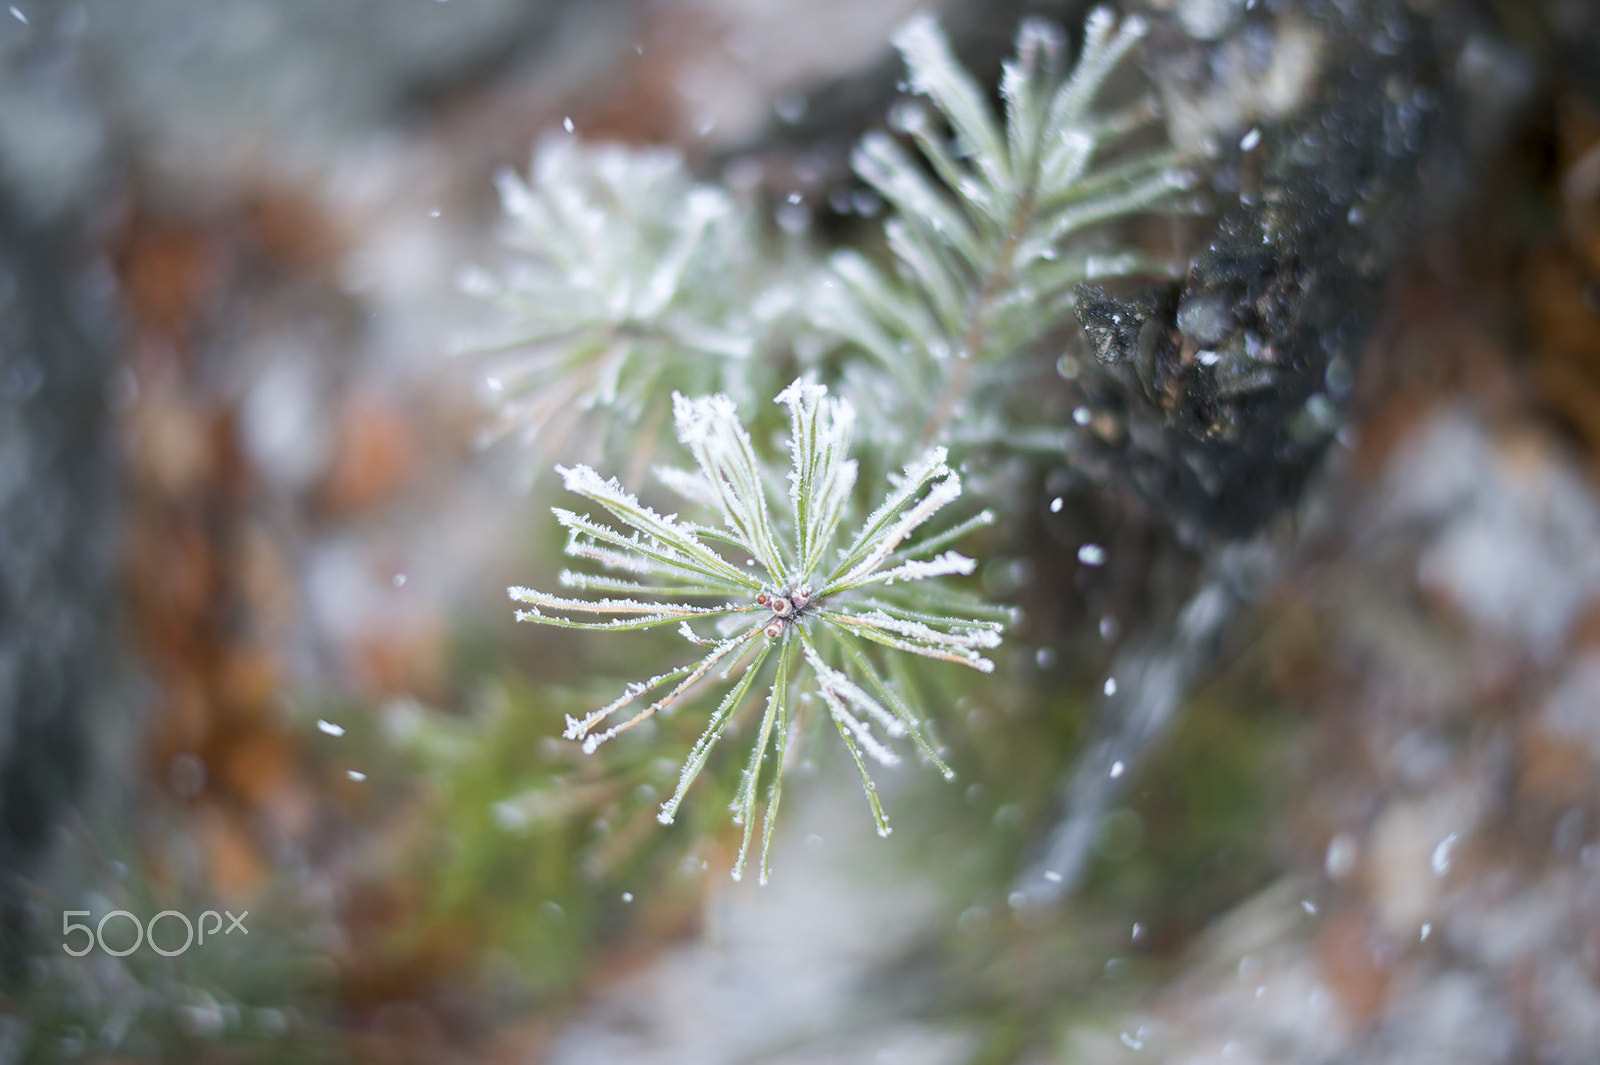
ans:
x=256 y=524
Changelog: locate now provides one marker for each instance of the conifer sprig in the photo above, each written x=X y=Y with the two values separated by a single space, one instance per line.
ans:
x=786 y=589
x=626 y=279
x=987 y=228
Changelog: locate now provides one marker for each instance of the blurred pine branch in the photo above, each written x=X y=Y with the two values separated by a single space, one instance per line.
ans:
x=638 y=283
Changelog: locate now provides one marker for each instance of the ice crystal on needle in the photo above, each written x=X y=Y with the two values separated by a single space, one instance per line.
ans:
x=815 y=604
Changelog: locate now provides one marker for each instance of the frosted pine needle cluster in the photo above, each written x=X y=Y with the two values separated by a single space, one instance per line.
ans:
x=774 y=597
x=626 y=279
x=988 y=228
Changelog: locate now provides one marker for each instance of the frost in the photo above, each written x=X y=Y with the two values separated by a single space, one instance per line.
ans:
x=863 y=735
x=946 y=491
x=834 y=681
x=710 y=428
x=948 y=564
x=822 y=476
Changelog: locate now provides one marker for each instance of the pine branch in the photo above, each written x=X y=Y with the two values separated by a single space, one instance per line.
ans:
x=988 y=230
x=636 y=282
x=626 y=280
x=800 y=600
